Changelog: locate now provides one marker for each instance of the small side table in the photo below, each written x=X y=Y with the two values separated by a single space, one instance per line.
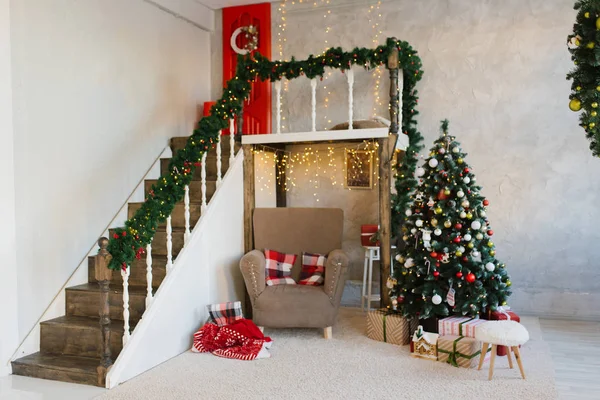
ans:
x=372 y=253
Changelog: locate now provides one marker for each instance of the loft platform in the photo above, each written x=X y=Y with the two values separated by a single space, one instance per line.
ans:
x=324 y=136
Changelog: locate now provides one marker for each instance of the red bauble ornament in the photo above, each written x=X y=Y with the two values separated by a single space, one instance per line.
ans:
x=486 y=202
x=456 y=239
x=470 y=277
x=436 y=273
x=115 y=236
x=437 y=264
x=400 y=299
x=490 y=232
x=124 y=234
x=441 y=195
x=434 y=254
x=465 y=258
x=458 y=226
x=459 y=274
x=466 y=170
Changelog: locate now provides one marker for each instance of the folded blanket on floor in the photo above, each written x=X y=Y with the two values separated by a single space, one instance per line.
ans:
x=241 y=340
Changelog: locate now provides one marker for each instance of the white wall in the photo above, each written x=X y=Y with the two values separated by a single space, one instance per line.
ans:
x=8 y=267
x=99 y=86
x=497 y=70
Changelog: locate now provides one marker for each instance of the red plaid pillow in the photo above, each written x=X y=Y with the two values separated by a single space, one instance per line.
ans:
x=279 y=268
x=313 y=269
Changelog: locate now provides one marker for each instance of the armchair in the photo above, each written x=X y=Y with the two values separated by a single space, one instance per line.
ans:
x=296 y=230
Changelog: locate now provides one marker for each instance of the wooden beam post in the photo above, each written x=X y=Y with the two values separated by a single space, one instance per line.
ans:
x=103 y=275
x=280 y=178
x=249 y=204
x=392 y=66
x=385 y=216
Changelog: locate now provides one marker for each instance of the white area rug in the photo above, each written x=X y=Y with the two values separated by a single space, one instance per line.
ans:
x=350 y=366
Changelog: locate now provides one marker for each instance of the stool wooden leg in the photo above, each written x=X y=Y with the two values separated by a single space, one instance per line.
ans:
x=370 y=280
x=364 y=285
x=484 y=350
x=515 y=350
x=508 y=350
x=327 y=334
x=492 y=360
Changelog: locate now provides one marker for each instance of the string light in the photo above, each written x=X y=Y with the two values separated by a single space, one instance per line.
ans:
x=374 y=21
x=281 y=40
x=312 y=164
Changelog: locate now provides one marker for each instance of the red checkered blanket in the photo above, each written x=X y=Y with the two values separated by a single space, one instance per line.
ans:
x=241 y=340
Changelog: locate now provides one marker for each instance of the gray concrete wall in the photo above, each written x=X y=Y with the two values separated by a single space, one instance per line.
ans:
x=496 y=70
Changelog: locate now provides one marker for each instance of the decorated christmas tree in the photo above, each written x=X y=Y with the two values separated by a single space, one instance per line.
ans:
x=584 y=46
x=448 y=264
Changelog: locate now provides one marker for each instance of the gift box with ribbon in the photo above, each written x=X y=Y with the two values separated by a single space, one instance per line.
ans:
x=460 y=351
x=388 y=326
x=459 y=326
x=503 y=313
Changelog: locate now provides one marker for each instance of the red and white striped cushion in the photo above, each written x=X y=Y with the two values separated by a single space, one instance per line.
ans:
x=313 y=269
x=279 y=268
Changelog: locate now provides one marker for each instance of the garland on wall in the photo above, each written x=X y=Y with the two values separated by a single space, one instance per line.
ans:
x=585 y=53
x=130 y=241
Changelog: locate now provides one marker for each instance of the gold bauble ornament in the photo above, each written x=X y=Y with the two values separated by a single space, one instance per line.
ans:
x=438 y=210
x=434 y=222
x=492 y=253
x=594 y=113
x=578 y=88
x=597 y=23
x=575 y=105
x=594 y=105
x=490 y=244
x=469 y=215
x=460 y=161
x=597 y=88
x=447 y=224
x=590 y=45
x=458 y=253
x=404 y=272
x=508 y=283
x=592 y=125
x=587 y=15
x=470 y=245
x=405 y=238
x=447 y=192
x=504 y=303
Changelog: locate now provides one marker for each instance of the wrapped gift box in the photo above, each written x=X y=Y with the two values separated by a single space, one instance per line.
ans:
x=388 y=326
x=503 y=313
x=459 y=326
x=460 y=351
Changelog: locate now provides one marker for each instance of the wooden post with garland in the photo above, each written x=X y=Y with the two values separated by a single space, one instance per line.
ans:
x=385 y=172
x=104 y=275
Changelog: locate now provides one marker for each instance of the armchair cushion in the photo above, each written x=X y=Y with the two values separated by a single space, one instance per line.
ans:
x=279 y=268
x=313 y=269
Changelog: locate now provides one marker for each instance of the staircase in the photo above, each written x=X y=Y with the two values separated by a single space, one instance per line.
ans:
x=71 y=345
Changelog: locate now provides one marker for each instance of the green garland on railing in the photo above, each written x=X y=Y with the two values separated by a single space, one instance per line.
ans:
x=129 y=242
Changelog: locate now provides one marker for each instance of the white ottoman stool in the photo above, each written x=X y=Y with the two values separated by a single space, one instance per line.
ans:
x=502 y=333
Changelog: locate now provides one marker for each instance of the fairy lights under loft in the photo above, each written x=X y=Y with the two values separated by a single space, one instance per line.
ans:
x=374 y=20
x=311 y=165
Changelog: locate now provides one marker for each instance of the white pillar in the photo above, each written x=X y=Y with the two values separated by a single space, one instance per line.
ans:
x=278 y=102
x=313 y=102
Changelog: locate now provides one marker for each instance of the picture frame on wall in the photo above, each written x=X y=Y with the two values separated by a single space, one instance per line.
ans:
x=358 y=169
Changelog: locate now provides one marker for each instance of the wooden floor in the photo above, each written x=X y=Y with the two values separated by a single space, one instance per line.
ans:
x=575 y=349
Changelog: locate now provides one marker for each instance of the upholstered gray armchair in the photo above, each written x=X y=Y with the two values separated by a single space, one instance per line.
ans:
x=293 y=231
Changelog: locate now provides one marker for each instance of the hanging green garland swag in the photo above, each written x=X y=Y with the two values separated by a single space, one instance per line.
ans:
x=130 y=242
x=584 y=46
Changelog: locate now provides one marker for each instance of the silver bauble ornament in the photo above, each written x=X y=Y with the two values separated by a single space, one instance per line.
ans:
x=466 y=179
x=460 y=194
x=490 y=266
x=420 y=172
x=476 y=225
x=467 y=238
x=436 y=299
x=433 y=163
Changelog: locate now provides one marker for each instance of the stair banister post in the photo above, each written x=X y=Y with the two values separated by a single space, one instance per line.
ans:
x=392 y=66
x=103 y=275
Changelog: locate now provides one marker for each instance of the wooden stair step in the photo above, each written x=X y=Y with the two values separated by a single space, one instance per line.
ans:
x=137 y=275
x=211 y=167
x=195 y=189
x=79 y=336
x=83 y=301
x=177 y=216
x=58 y=368
x=179 y=142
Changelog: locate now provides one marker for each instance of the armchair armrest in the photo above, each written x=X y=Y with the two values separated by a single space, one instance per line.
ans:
x=252 y=266
x=335 y=275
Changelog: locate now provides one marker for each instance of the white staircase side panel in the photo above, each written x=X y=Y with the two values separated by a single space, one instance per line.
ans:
x=206 y=271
